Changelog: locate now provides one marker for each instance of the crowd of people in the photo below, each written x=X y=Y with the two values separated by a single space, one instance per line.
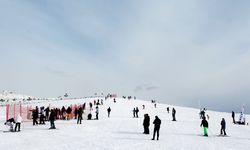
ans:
x=42 y=114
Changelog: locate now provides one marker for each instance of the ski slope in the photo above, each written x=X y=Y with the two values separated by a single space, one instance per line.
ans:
x=122 y=132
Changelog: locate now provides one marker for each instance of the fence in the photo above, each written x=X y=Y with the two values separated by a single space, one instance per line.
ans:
x=12 y=110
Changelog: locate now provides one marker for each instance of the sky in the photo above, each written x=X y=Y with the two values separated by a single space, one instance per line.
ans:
x=186 y=53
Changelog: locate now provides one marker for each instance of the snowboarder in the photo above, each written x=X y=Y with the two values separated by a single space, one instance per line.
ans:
x=223 y=127
x=233 y=116
x=146 y=123
x=97 y=112
x=157 y=123
x=79 y=117
x=109 y=110
x=52 y=119
x=204 y=123
x=19 y=120
x=173 y=114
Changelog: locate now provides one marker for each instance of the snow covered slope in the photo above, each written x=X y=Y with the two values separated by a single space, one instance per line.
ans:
x=122 y=132
x=5 y=95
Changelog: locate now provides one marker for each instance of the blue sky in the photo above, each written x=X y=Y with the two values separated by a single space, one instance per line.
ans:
x=178 y=52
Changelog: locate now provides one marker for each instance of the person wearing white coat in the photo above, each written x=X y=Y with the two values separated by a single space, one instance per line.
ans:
x=19 y=120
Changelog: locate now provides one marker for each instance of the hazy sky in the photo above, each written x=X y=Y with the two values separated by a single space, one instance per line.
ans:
x=177 y=52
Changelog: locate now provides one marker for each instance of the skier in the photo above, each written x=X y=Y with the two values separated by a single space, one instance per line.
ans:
x=134 y=112
x=233 y=116
x=19 y=120
x=143 y=106
x=173 y=114
x=109 y=110
x=52 y=119
x=146 y=123
x=204 y=123
x=97 y=112
x=155 y=105
x=79 y=117
x=157 y=123
x=223 y=127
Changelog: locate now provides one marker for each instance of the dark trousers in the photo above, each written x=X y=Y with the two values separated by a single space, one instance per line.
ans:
x=234 y=120
x=17 y=126
x=35 y=121
x=173 y=117
x=156 y=131
x=223 y=131
x=52 y=124
x=146 y=129
x=96 y=117
x=79 y=120
x=42 y=117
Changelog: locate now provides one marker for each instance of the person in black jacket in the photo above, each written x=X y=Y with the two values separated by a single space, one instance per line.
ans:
x=35 y=116
x=109 y=110
x=79 y=116
x=233 y=116
x=52 y=119
x=146 y=123
x=157 y=123
x=173 y=114
x=204 y=123
x=223 y=127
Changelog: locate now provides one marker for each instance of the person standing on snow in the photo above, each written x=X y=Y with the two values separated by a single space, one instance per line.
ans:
x=146 y=123
x=223 y=127
x=157 y=123
x=79 y=116
x=173 y=114
x=109 y=110
x=97 y=113
x=233 y=116
x=19 y=120
x=204 y=123
x=52 y=119
x=168 y=110
x=136 y=112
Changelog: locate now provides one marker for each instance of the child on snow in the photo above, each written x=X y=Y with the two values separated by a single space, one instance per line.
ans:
x=204 y=123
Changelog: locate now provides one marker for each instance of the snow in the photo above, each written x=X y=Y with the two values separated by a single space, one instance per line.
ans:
x=121 y=131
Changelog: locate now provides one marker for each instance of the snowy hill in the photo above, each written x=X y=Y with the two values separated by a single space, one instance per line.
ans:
x=122 y=132
x=6 y=95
